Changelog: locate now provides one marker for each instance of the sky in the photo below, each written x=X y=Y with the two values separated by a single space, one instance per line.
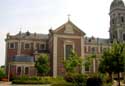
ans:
x=91 y=16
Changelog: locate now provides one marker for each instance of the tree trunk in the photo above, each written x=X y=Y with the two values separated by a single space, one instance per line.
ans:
x=118 y=79
x=110 y=76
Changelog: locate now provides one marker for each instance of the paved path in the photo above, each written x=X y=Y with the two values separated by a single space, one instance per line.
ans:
x=5 y=83
x=9 y=84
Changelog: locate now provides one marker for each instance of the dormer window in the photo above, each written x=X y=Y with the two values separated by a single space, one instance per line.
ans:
x=27 y=33
x=89 y=40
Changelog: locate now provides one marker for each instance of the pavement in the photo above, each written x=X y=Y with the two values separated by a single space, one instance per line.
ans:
x=9 y=84
x=5 y=83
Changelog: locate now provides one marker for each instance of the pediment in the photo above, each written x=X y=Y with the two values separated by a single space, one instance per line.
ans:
x=69 y=28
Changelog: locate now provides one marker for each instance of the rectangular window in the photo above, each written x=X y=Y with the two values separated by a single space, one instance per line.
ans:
x=11 y=45
x=101 y=49
x=18 y=70
x=86 y=68
x=27 y=46
x=122 y=19
x=26 y=70
x=85 y=50
x=42 y=46
x=68 y=50
x=124 y=37
x=94 y=50
x=89 y=49
x=104 y=49
x=37 y=46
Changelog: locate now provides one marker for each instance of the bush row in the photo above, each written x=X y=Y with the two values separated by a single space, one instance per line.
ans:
x=76 y=79
x=36 y=80
x=70 y=79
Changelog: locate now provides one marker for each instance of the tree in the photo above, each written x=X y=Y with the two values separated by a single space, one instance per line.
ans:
x=118 y=55
x=42 y=64
x=106 y=63
x=88 y=61
x=113 y=60
x=2 y=73
x=73 y=62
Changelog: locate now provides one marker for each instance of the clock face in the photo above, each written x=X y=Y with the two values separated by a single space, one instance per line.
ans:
x=69 y=29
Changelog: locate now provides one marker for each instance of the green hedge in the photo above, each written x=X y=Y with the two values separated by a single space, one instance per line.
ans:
x=76 y=78
x=37 y=80
x=29 y=82
x=63 y=84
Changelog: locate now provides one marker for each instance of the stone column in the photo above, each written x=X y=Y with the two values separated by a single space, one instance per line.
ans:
x=82 y=53
x=55 y=56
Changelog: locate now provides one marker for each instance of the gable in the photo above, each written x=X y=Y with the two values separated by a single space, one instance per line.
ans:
x=69 y=28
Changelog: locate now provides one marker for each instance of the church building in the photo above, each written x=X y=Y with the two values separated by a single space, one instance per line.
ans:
x=22 y=48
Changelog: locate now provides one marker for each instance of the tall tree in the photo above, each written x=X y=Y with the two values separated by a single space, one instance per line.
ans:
x=42 y=64
x=118 y=55
x=113 y=60
x=106 y=63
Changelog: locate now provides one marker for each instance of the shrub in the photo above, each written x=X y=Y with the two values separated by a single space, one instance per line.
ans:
x=31 y=80
x=63 y=84
x=37 y=80
x=2 y=73
x=77 y=79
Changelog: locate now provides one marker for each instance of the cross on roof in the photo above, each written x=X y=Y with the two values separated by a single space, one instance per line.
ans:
x=68 y=17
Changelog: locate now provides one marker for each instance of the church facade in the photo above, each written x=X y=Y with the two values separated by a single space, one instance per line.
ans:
x=22 y=48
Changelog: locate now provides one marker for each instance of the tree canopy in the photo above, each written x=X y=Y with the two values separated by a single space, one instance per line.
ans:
x=72 y=62
x=113 y=59
x=42 y=64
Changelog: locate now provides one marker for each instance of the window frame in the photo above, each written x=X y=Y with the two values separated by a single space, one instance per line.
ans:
x=68 y=42
x=20 y=70
x=14 y=45
x=123 y=36
x=26 y=47
x=26 y=72
x=42 y=48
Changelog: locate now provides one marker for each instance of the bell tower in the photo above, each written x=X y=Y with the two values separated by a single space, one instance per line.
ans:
x=117 y=21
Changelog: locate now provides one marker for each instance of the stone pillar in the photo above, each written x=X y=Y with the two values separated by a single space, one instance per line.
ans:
x=82 y=53
x=94 y=65
x=55 y=56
